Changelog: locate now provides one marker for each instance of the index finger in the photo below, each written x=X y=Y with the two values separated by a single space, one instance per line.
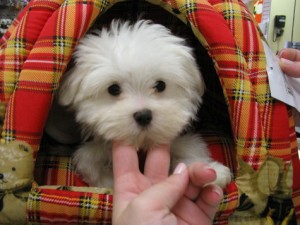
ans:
x=125 y=159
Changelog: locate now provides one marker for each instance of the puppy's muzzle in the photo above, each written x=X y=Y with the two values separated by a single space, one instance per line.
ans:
x=143 y=117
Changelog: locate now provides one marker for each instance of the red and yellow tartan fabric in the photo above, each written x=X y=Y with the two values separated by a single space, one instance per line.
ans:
x=59 y=205
x=37 y=49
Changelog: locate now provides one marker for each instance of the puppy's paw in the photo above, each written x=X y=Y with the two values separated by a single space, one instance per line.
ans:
x=223 y=174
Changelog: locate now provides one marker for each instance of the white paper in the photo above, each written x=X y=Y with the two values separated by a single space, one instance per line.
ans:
x=283 y=88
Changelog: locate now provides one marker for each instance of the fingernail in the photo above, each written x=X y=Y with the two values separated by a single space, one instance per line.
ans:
x=180 y=168
x=216 y=189
x=210 y=169
x=286 y=61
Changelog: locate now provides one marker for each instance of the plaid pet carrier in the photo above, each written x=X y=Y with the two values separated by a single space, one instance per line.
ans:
x=244 y=127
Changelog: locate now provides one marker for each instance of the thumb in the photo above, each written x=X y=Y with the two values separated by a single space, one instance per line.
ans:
x=167 y=193
x=290 y=68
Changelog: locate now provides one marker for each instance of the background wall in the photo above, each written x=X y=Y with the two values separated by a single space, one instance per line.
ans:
x=292 y=26
x=271 y=8
x=296 y=27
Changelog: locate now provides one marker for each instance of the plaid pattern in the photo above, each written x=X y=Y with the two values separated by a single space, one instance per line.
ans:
x=75 y=206
x=56 y=170
x=32 y=74
x=37 y=48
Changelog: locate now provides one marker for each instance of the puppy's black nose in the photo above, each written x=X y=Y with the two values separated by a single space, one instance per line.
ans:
x=143 y=117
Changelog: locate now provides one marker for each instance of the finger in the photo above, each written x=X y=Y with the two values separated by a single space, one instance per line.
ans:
x=289 y=67
x=125 y=168
x=125 y=159
x=203 y=210
x=165 y=194
x=200 y=174
x=192 y=192
x=188 y=212
x=290 y=54
x=157 y=163
x=209 y=200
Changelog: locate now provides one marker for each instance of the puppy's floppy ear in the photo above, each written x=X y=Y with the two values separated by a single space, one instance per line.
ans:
x=69 y=87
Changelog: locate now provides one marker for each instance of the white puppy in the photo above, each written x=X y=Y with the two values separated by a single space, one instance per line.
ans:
x=139 y=84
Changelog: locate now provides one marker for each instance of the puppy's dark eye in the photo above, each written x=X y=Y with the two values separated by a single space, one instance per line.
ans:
x=160 y=86
x=114 y=89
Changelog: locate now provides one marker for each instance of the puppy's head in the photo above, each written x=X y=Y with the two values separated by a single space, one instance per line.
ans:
x=137 y=83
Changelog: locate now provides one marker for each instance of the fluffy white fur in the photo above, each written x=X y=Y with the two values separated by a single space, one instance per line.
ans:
x=137 y=59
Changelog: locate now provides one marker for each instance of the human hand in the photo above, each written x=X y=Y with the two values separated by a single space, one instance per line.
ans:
x=155 y=198
x=290 y=61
